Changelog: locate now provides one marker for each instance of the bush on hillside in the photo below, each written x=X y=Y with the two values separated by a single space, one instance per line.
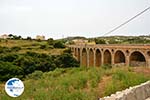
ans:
x=43 y=46
x=59 y=44
x=31 y=61
x=16 y=48
x=27 y=63
x=29 y=38
x=10 y=57
x=35 y=75
x=100 y=41
x=8 y=70
x=34 y=61
x=66 y=60
x=4 y=49
x=50 y=41
x=68 y=50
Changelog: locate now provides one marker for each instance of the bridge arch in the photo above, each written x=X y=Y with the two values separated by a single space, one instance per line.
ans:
x=98 y=58
x=107 y=57
x=119 y=57
x=91 y=57
x=137 y=58
x=84 y=57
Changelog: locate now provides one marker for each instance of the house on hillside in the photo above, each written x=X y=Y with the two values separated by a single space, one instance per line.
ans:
x=4 y=36
x=38 y=37
x=91 y=43
x=80 y=41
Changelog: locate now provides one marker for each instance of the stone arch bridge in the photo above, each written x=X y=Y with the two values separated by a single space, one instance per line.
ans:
x=97 y=55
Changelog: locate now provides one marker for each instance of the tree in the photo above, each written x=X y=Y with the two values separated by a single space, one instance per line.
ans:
x=59 y=44
x=14 y=37
x=66 y=60
x=43 y=46
x=8 y=57
x=68 y=50
x=10 y=35
x=15 y=48
x=29 y=38
x=4 y=49
x=100 y=41
x=8 y=70
x=27 y=63
x=50 y=41
x=19 y=37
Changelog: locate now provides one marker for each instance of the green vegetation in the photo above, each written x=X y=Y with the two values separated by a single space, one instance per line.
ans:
x=77 y=83
x=50 y=46
x=28 y=55
x=30 y=61
x=122 y=79
x=122 y=40
x=113 y=39
x=59 y=44
x=8 y=70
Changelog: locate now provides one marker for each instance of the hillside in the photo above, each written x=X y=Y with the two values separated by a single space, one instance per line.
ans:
x=115 y=39
x=23 y=46
x=122 y=40
x=18 y=58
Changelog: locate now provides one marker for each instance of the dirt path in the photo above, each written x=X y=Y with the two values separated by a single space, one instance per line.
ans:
x=145 y=71
x=102 y=85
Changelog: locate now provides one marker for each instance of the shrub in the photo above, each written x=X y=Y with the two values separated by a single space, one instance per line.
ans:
x=32 y=54
x=10 y=57
x=66 y=60
x=50 y=41
x=27 y=63
x=45 y=65
x=29 y=48
x=100 y=41
x=43 y=46
x=29 y=38
x=122 y=79
x=44 y=62
x=57 y=72
x=106 y=66
x=38 y=40
x=68 y=50
x=8 y=70
x=35 y=75
x=50 y=47
x=35 y=44
x=16 y=48
x=4 y=49
x=59 y=44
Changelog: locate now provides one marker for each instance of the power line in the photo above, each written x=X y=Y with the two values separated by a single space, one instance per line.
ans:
x=127 y=21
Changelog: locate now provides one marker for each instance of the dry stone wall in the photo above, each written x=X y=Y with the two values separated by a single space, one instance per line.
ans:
x=139 y=92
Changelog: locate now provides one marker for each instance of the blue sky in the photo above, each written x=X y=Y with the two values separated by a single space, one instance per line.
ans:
x=63 y=18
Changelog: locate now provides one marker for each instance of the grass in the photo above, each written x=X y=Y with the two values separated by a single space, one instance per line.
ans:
x=21 y=43
x=77 y=83
x=122 y=79
x=31 y=45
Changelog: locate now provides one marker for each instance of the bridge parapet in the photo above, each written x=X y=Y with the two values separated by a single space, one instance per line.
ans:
x=140 y=46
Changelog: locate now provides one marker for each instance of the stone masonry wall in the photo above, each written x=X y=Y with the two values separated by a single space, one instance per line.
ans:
x=139 y=92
